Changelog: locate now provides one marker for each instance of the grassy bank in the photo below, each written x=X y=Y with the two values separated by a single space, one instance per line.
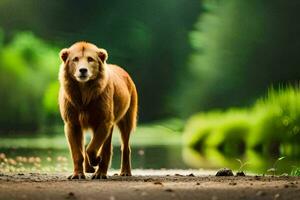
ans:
x=271 y=125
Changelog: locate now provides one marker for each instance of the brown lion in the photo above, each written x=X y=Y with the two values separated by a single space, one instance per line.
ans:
x=95 y=95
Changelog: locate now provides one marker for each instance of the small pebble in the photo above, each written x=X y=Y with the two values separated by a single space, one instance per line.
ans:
x=240 y=173
x=224 y=172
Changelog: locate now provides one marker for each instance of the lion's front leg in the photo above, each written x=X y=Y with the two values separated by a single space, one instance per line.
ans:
x=105 y=155
x=101 y=139
x=74 y=136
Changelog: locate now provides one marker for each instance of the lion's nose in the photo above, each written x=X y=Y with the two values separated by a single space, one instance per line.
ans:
x=83 y=70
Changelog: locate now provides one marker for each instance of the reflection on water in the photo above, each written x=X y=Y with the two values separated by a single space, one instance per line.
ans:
x=59 y=160
x=145 y=157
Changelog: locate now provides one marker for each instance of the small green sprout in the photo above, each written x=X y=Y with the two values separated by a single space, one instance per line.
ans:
x=242 y=164
x=273 y=169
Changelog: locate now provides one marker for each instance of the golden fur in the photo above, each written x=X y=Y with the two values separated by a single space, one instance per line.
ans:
x=99 y=98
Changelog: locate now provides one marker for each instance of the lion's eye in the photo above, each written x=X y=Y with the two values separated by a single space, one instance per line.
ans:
x=75 y=59
x=90 y=59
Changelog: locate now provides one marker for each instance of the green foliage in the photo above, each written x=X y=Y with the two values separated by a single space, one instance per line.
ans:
x=199 y=126
x=27 y=66
x=50 y=100
x=50 y=105
x=295 y=171
x=230 y=132
x=278 y=118
x=271 y=123
x=240 y=48
x=147 y=38
x=223 y=130
x=1 y=37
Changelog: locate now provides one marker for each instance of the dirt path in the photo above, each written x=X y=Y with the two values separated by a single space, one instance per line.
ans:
x=166 y=185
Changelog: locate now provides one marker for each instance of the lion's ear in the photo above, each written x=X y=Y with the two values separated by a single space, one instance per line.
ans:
x=64 y=53
x=102 y=53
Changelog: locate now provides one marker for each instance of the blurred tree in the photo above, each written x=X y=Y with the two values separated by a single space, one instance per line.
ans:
x=26 y=68
x=148 y=38
x=50 y=105
x=240 y=49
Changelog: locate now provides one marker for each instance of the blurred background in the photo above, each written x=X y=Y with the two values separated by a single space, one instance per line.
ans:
x=218 y=80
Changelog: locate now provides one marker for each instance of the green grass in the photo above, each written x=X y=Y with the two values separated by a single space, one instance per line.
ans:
x=230 y=130
x=278 y=118
x=225 y=130
x=199 y=127
x=295 y=171
x=272 y=122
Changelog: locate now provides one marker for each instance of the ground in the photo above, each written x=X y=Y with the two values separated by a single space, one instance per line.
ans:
x=162 y=184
